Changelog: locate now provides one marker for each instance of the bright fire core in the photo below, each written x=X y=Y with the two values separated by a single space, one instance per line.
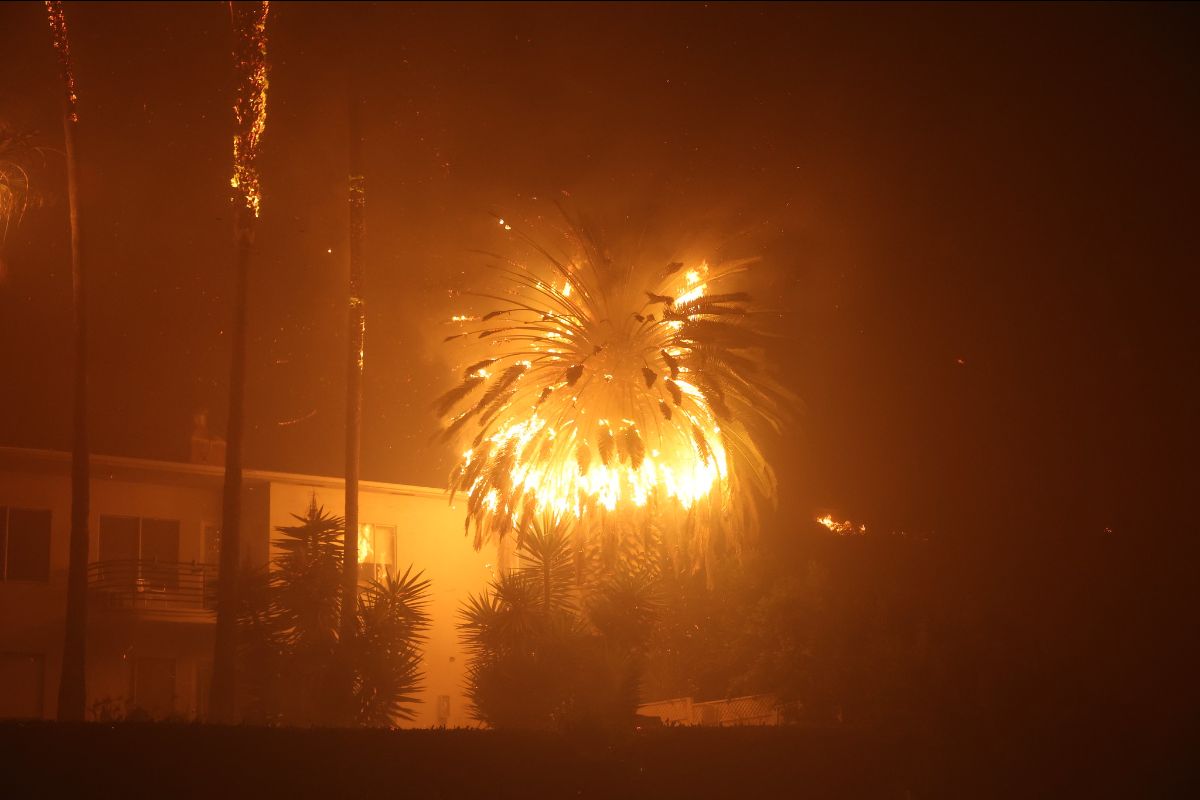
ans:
x=605 y=386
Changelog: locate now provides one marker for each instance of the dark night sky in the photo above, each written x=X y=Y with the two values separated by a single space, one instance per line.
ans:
x=1010 y=186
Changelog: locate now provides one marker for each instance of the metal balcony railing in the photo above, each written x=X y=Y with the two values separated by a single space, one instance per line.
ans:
x=154 y=586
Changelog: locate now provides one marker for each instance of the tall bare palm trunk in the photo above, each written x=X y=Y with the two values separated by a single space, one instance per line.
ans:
x=250 y=114
x=224 y=687
x=354 y=373
x=72 y=688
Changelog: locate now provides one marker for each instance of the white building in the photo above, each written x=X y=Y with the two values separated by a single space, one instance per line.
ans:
x=153 y=552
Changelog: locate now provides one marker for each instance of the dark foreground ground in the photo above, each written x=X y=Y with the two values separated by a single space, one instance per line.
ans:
x=171 y=761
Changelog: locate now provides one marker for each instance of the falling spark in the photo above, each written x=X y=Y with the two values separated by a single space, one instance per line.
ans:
x=287 y=422
x=628 y=389
x=250 y=104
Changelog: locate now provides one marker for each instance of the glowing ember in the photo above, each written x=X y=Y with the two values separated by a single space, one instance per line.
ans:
x=58 y=30
x=846 y=528
x=250 y=104
x=598 y=386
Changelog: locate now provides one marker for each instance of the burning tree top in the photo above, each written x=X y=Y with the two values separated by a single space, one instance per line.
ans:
x=598 y=387
x=250 y=104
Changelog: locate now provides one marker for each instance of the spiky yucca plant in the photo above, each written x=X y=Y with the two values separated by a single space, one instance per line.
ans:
x=393 y=619
x=290 y=624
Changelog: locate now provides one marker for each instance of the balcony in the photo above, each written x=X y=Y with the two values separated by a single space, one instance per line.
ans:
x=184 y=590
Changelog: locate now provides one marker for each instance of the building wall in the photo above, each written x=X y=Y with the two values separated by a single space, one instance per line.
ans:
x=31 y=612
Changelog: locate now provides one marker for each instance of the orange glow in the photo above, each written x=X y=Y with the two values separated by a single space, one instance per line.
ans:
x=250 y=105
x=365 y=539
x=846 y=528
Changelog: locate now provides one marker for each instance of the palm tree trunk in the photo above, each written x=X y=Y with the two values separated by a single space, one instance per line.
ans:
x=224 y=688
x=250 y=110
x=354 y=373
x=72 y=688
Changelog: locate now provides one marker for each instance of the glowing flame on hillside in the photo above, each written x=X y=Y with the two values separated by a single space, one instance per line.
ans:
x=846 y=528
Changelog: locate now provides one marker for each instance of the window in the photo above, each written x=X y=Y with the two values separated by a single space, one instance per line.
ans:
x=144 y=551
x=154 y=685
x=376 y=550
x=22 y=683
x=24 y=544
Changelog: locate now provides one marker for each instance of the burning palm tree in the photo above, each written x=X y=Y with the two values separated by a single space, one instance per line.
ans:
x=612 y=391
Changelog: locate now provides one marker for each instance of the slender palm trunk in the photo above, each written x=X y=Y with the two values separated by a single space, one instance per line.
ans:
x=72 y=688
x=354 y=373
x=250 y=113
x=224 y=688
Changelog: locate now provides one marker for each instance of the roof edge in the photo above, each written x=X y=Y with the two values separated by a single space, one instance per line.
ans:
x=183 y=468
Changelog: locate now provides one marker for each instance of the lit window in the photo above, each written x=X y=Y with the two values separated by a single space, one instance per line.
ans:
x=376 y=549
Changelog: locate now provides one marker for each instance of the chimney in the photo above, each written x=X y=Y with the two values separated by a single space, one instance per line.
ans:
x=205 y=449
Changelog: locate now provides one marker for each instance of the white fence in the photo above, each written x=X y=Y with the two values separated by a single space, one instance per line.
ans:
x=759 y=709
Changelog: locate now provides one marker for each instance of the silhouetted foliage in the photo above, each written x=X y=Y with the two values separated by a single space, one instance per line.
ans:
x=840 y=632
x=555 y=646
x=289 y=626
x=392 y=620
